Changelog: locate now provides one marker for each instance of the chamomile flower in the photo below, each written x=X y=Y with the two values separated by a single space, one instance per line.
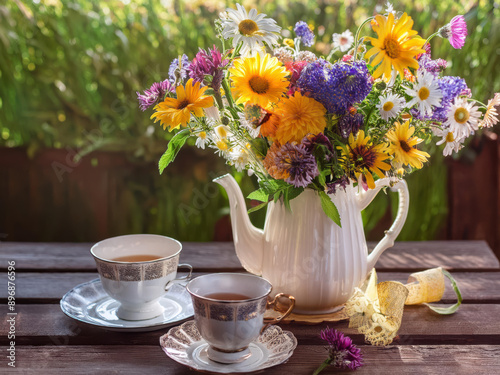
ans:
x=425 y=93
x=452 y=144
x=390 y=106
x=251 y=28
x=462 y=118
x=201 y=139
x=491 y=114
x=343 y=41
x=239 y=158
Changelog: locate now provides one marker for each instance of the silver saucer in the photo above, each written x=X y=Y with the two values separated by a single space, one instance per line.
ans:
x=185 y=345
x=89 y=303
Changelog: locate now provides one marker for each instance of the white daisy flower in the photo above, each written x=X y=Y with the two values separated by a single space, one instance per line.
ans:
x=491 y=115
x=239 y=158
x=453 y=145
x=201 y=139
x=343 y=41
x=251 y=28
x=390 y=106
x=222 y=148
x=425 y=92
x=463 y=118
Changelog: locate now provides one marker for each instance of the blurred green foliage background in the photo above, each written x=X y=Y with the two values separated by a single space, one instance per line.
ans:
x=70 y=69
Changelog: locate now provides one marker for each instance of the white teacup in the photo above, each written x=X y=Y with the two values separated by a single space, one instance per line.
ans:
x=136 y=269
x=229 y=312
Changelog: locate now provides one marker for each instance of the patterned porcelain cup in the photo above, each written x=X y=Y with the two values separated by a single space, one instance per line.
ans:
x=229 y=312
x=136 y=283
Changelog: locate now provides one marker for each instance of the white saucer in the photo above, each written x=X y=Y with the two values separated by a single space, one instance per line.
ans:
x=185 y=345
x=89 y=303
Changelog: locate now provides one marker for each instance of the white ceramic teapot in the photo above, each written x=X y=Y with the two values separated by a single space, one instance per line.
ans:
x=303 y=252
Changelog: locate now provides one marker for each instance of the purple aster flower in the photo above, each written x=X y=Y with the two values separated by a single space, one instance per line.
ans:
x=341 y=183
x=350 y=123
x=337 y=86
x=455 y=32
x=304 y=33
x=342 y=353
x=208 y=63
x=154 y=95
x=298 y=163
x=175 y=70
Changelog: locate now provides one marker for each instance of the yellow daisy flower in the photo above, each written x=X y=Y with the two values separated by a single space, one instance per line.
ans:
x=396 y=46
x=402 y=146
x=176 y=112
x=299 y=116
x=258 y=80
x=366 y=157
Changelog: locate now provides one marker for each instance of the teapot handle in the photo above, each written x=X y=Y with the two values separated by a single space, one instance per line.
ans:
x=365 y=197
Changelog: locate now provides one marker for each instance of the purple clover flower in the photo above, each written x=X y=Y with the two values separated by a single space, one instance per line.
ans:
x=298 y=163
x=343 y=354
x=208 y=63
x=155 y=94
x=455 y=32
x=305 y=34
x=174 y=70
x=337 y=86
x=350 y=123
x=432 y=66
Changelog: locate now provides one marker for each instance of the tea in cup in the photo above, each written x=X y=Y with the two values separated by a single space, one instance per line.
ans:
x=136 y=270
x=229 y=312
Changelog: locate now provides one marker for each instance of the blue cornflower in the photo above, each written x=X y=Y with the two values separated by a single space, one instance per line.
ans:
x=338 y=86
x=173 y=70
x=305 y=34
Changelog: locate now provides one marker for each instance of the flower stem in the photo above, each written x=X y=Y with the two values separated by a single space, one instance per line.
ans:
x=432 y=36
x=324 y=365
x=356 y=38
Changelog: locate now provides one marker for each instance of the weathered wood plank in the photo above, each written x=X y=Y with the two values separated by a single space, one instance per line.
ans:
x=209 y=256
x=32 y=287
x=455 y=359
x=472 y=324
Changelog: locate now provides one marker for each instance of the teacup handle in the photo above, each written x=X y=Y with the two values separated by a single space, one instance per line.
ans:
x=182 y=278
x=272 y=304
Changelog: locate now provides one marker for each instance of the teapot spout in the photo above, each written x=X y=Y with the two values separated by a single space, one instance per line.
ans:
x=248 y=240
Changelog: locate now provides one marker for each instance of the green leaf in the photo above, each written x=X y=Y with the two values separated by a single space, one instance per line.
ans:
x=259 y=195
x=256 y=208
x=277 y=195
x=322 y=176
x=294 y=192
x=450 y=309
x=173 y=149
x=329 y=208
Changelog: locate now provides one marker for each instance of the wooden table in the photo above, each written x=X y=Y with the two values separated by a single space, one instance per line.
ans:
x=48 y=342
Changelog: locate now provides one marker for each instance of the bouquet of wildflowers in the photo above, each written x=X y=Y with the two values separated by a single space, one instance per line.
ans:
x=297 y=120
